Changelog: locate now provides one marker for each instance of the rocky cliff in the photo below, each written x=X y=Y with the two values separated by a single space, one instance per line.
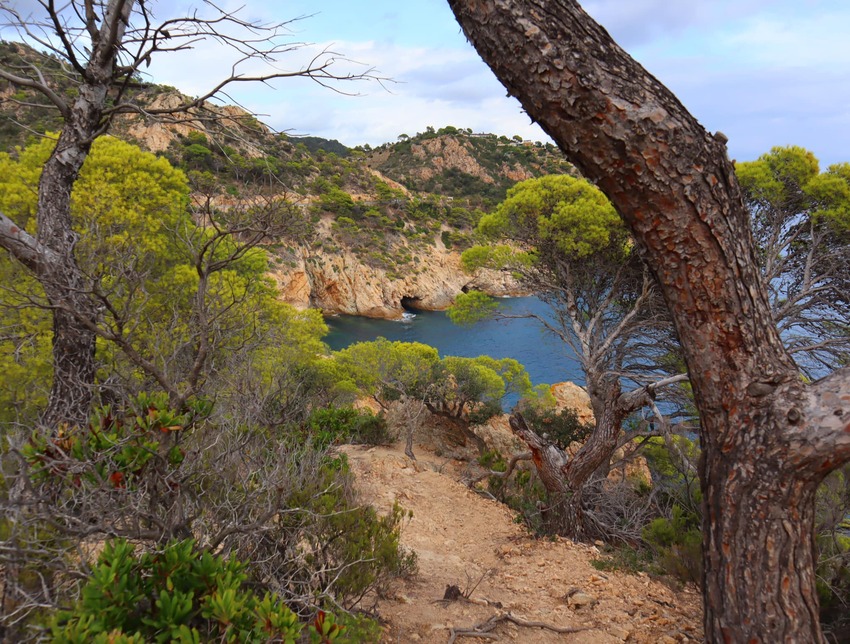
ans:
x=340 y=282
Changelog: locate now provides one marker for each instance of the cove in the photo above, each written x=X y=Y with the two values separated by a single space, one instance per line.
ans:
x=544 y=356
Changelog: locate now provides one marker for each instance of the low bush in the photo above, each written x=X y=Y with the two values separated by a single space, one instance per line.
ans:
x=335 y=425
x=178 y=593
x=677 y=544
x=560 y=427
x=522 y=491
x=280 y=504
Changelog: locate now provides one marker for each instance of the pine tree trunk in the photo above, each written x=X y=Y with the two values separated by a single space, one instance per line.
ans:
x=73 y=372
x=759 y=552
x=767 y=439
x=66 y=288
x=564 y=515
x=564 y=512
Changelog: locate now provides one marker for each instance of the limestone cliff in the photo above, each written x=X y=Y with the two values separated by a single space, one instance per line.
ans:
x=340 y=282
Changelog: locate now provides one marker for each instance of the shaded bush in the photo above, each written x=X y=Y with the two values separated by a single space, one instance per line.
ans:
x=677 y=543
x=334 y=425
x=522 y=491
x=559 y=427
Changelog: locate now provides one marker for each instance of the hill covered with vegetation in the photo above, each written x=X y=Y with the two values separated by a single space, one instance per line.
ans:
x=444 y=171
x=394 y=213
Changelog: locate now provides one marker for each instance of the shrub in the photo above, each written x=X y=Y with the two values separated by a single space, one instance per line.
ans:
x=522 y=491
x=178 y=593
x=350 y=550
x=560 y=427
x=677 y=542
x=271 y=499
x=832 y=527
x=334 y=425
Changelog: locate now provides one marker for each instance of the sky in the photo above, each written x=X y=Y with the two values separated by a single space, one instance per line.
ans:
x=765 y=72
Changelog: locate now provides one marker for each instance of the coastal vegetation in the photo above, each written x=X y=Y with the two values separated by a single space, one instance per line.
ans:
x=169 y=465
x=571 y=248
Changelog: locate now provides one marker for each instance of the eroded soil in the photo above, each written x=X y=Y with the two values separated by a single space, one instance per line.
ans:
x=464 y=539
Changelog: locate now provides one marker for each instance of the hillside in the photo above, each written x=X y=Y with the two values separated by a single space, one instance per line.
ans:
x=458 y=163
x=373 y=230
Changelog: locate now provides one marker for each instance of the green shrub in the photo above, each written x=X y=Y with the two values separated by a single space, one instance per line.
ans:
x=832 y=529
x=625 y=559
x=560 y=427
x=272 y=499
x=522 y=491
x=677 y=542
x=337 y=201
x=445 y=236
x=114 y=447
x=334 y=425
x=350 y=549
x=176 y=594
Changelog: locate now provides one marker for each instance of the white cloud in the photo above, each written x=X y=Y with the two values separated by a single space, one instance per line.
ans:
x=766 y=72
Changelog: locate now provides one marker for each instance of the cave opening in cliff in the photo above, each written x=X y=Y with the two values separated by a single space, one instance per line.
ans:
x=410 y=303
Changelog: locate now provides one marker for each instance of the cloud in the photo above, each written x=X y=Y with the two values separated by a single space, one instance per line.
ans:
x=638 y=22
x=766 y=72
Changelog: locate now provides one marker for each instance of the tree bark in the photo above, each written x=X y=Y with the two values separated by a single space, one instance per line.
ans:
x=767 y=439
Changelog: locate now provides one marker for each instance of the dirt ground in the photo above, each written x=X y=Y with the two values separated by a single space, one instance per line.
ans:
x=462 y=538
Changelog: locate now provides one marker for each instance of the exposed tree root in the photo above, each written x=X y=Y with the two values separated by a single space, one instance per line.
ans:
x=482 y=630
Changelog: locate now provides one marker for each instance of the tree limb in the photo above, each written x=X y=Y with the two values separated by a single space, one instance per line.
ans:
x=482 y=629
x=516 y=458
x=26 y=248
x=819 y=431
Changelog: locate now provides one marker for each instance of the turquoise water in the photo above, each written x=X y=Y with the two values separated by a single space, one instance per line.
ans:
x=544 y=356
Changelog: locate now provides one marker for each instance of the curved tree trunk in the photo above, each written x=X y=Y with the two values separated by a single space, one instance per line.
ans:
x=767 y=439
x=566 y=479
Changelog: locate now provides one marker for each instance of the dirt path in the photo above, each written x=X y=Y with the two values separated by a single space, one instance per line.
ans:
x=461 y=538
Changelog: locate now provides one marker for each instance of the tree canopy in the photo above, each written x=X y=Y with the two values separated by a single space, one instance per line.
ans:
x=801 y=226
x=169 y=288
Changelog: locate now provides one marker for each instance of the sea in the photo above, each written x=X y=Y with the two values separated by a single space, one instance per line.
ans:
x=546 y=358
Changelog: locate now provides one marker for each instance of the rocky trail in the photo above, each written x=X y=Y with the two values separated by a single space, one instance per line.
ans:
x=505 y=579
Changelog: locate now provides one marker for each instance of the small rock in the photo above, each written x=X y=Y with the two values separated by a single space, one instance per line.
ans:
x=666 y=639
x=619 y=633
x=599 y=544
x=580 y=600
x=415 y=637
